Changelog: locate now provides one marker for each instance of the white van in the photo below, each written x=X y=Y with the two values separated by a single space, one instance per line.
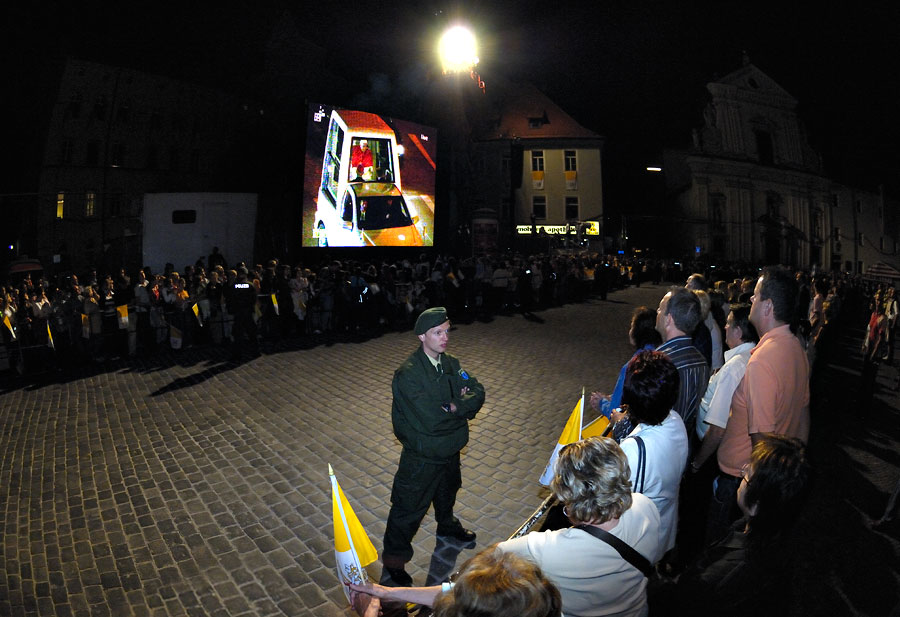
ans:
x=360 y=202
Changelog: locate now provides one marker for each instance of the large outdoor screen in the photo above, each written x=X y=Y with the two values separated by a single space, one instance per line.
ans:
x=369 y=180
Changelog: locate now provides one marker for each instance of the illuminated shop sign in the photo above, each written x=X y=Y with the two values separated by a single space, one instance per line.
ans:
x=592 y=228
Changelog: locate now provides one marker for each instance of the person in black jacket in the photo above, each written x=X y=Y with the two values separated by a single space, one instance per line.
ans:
x=241 y=300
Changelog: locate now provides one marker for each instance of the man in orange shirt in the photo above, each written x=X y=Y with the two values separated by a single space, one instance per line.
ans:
x=773 y=396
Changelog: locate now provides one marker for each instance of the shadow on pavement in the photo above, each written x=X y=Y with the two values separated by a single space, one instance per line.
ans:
x=843 y=567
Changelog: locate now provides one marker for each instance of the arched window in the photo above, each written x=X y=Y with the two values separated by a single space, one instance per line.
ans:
x=717 y=203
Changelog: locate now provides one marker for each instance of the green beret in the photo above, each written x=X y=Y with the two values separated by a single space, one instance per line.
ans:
x=430 y=318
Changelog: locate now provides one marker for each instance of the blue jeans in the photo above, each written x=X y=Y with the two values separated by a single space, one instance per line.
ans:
x=723 y=508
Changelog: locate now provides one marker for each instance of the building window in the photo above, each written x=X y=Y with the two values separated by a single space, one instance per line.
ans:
x=74 y=108
x=195 y=160
x=113 y=205
x=572 y=213
x=773 y=206
x=65 y=154
x=817 y=225
x=118 y=154
x=152 y=157
x=92 y=156
x=173 y=159
x=100 y=109
x=815 y=253
x=123 y=114
x=60 y=204
x=478 y=164
x=539 y=207
x=538 y=122
x=764 y=150
x=717 y=212
x=90 y=201
x=187 y=217
x=537 y=160
x=571 y=160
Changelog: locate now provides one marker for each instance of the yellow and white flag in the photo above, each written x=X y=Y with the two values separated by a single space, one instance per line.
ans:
x=8 y=324
x=122 y=312
x=570 y=434
x=353 y=550
x=196 y=309
x=175 y=337
x=85 y=326
x=50 y=339
x=275 y=304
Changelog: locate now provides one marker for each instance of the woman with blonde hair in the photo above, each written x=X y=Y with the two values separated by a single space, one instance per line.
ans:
x=604 y=574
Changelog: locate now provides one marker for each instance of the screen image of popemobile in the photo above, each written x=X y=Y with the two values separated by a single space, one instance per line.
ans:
x=360 y=200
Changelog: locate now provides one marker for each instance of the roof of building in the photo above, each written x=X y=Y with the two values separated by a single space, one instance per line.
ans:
x=525 y=112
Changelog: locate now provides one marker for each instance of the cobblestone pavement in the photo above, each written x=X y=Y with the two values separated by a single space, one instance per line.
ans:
x=187 y=486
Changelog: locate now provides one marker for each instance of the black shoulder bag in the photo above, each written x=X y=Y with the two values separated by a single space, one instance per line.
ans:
x=623 y=548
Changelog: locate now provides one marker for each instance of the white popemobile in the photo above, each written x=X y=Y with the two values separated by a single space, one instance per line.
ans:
x=360 y=202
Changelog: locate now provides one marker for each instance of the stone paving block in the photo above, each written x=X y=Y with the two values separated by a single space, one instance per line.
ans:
x=311 y=595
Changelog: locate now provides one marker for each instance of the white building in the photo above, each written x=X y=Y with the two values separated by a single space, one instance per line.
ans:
x=752 y=189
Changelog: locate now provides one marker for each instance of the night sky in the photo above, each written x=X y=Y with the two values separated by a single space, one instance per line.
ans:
x=633 y=72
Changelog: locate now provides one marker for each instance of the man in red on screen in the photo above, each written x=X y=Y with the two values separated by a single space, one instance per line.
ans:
x=361 y=161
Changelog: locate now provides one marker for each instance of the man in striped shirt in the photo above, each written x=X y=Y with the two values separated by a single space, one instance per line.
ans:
x=676 y=319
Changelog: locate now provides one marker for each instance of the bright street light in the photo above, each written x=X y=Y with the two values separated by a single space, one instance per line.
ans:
x=457 y=50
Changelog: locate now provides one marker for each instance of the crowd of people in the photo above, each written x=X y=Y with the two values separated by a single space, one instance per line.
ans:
x=92 y=316
x=692 y=498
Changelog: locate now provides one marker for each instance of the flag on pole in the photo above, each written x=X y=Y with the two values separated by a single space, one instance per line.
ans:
x=196 y=309
x=570 y=434
x=596 y=428
x=275 y=304
x=85 y=326
x=352 y=548
x=7 y=323
x=50 y=338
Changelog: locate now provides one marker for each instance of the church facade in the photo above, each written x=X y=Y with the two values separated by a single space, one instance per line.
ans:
x=751 y=189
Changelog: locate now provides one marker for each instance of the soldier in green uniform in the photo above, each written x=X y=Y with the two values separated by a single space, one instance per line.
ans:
x=434 y=398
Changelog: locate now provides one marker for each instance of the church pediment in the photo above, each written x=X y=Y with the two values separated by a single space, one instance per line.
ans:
x=753 y=82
